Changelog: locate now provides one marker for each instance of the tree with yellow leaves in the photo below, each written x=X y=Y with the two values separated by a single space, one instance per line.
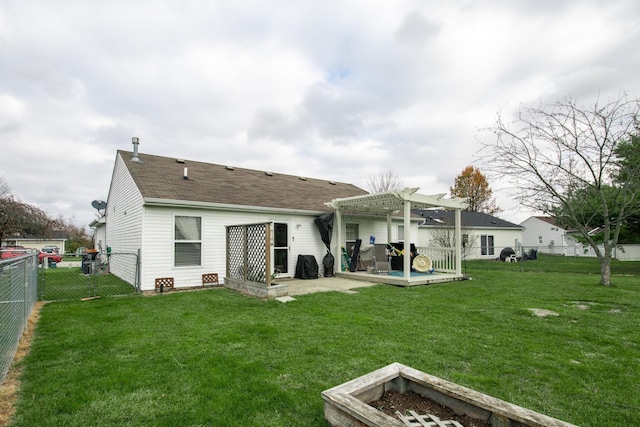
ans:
x=473 y=185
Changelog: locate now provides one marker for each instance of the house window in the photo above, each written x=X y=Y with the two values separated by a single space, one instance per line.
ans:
x=486 y=245
x=187 y=241
x=539 y=239
x=352 y=233
x=401 y=233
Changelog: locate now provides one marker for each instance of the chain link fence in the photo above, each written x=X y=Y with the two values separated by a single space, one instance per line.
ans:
x=621 y=252
x=92 y=276
x=18 y=296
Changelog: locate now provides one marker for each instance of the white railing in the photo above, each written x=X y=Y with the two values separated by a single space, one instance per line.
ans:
x=442 y=259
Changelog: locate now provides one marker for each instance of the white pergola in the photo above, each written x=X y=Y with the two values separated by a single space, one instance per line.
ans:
x=393 y=202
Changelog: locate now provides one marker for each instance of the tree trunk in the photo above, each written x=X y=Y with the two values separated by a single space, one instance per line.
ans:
x=605 y=270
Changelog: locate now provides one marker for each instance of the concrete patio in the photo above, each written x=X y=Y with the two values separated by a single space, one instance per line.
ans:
x=323 y=284
x=348 y=282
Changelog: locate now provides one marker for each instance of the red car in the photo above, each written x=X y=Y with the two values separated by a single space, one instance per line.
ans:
x=7 y=252
x=51 y=257
x=16 y=251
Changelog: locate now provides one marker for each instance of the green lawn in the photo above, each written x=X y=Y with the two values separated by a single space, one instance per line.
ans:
x=558 y=264
x=70 y=283
x=217 y=358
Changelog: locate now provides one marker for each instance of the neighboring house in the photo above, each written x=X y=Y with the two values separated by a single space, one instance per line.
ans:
x=483 y=235
x=176 y=213
x=99 y=227
x=543 y=234
x=58 y=239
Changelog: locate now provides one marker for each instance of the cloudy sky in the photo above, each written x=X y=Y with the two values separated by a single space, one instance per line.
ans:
x=341 y=90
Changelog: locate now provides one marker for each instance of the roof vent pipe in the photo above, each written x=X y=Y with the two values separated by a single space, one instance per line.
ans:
x=135 y=141
x=185 y=175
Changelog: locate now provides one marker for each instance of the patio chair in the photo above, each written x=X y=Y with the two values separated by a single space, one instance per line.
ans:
x=366 y=258
x=380 y=258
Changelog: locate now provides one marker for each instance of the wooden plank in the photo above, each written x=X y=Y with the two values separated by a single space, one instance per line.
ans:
x=423 y=420
x=428 y=420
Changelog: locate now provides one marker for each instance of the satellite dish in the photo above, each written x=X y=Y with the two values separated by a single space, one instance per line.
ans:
x=99 y=204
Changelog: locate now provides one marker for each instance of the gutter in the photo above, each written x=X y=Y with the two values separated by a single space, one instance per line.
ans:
x=171 y=203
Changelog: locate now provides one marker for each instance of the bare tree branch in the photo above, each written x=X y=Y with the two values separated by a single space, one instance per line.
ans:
x=548 y=153
x=384 y=181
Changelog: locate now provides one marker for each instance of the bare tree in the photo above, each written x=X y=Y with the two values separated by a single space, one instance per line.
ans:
x=17 y=217
x=551 y=152
x=5 y=190
x=444 y=236
x=77 y=235
x=384 y=181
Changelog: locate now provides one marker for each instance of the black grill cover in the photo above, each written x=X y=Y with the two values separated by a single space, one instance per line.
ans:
x=506 y=253
x=325 y=225
x=328 y=262
x=306 y=267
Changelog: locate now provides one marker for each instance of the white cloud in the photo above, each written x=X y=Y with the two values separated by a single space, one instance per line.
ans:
x=336 y=90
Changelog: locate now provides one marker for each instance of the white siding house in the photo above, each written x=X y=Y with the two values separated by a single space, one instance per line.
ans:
x=99 y=227
x=544 y=235
x=175 y=213
x=484 y=236
x=124 y=212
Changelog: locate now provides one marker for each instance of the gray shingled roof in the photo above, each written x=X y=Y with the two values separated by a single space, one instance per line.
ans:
x=162 y=178
x=469 y=219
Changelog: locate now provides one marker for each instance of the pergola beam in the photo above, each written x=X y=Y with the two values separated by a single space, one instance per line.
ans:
x=400 y=201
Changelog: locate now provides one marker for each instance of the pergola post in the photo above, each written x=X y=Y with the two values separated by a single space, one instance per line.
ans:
x=458 y=239
x=406 y=259
x=337 y=266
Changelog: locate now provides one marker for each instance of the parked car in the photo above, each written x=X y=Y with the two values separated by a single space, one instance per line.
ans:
x=7 y=252
x=16 y=251
x=51 y=249
x=51 y=257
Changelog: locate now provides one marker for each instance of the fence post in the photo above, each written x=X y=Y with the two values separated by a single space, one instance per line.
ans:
x=25 y=295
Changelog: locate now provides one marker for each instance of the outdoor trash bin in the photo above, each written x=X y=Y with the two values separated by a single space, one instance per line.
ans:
x=88 y=259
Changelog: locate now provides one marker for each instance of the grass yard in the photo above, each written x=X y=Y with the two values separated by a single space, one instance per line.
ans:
x=71 y=283
x=217 y=358
x=558 y=264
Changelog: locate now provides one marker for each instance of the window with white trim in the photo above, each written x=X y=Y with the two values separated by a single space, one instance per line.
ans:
x=187 y=245
x=486 y=245
x=352 y=231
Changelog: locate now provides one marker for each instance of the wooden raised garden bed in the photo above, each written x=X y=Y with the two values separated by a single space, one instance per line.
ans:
x=348 y=404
